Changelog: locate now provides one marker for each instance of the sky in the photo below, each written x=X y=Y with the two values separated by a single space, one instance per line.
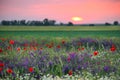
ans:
x=91 y=11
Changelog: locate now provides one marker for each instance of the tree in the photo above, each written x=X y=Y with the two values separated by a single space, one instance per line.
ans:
x=22 y=22
x=115 y=23
x=46 y=22
x=70 y=24
x=91 y=25
x=4 y=22
x=107 y=24
x=61 y=24
x=52 y=22
x=13 y=22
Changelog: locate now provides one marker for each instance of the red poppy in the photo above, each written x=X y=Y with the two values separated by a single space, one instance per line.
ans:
x=35 y=48
x=113 y=48
x=31 y=69
x=11 y=42
x=83 y=48
x=25 y=48
x=95 y=53
x=58 y=46
x=3 y=39
x=70 y=72
x=78 y=49
x=1 y=50
x=9 y=48
x=1 y=69
x=1 y=64
x=41 y=48
x=9 y=71
x=18 y=49
x=63 y=42
x=49 y=46
x=68 y=59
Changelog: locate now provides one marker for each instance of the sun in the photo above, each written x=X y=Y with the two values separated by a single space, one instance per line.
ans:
x=77 y=19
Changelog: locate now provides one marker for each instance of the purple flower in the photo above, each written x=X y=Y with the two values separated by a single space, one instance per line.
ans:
x=50 y=63
x=79 y=67
x=32 y=54
x=106 y=68
x=72 y=55
x=25 y=62
x=66 y=69
x=40 y=52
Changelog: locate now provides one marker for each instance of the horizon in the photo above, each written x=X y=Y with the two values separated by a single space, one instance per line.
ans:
x=57 y=23
x=89 y=11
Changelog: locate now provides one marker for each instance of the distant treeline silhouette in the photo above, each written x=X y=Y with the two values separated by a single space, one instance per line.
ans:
x=45 y=22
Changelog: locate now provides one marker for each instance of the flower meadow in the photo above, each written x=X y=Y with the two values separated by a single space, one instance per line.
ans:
x=75 y=59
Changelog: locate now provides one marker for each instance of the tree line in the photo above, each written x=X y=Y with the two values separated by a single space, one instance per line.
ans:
x=45 y=22
x=107 y=24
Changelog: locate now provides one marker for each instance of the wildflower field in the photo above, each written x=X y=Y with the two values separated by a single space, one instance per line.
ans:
x=60 y=55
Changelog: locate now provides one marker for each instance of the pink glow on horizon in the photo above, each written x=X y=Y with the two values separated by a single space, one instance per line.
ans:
x=92 y=11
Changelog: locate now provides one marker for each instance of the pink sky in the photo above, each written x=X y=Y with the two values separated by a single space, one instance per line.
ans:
x=92 y=11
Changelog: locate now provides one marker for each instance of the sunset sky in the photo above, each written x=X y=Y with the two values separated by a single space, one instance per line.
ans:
x=91 y=11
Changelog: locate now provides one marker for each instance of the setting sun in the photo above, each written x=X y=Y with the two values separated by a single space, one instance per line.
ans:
x=77 y=19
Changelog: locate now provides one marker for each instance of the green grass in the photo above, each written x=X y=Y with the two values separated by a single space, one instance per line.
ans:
x=58 y=28
x=60 y=34
x=49 y=32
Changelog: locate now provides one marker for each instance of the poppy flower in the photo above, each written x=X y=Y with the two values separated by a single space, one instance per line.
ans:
x=113 y=48
x=9 y=48
x=31 y=69
x=58 y=46
x=68 y=59
x=9 y=71
x=11 y=42
x=78 y=49
x=3 y=39
x=35 y=48
x=41 y=48
x=25 y=48
x=18 y=49
x=1 y=64
x=1 y=50
x=70 y=72
x=63 y=42
x=83 y=48
x=95 y=53
x=1 y=69
x=49 y=46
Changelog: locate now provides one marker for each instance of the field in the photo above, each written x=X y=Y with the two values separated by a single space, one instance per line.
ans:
x=59 y=53
x=59 y=28
x=63 y=32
